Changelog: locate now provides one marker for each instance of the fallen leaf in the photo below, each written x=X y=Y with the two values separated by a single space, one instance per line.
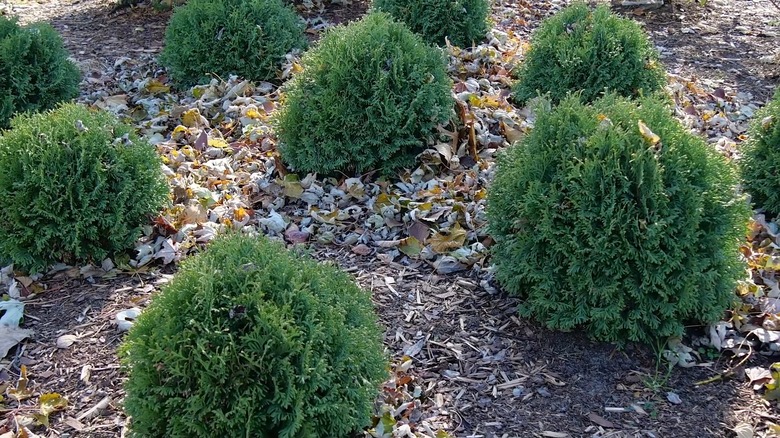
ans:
x=444 y=242
x=66 y=341
x=419 y=231
x=362 y=249
x=10 y=337
x=649 y=135
x=410 y=246
x=601 y=421
x=743 y=430
x=21 y=392
x=49 y=403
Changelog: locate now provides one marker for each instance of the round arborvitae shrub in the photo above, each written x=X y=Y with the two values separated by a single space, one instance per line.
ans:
x=761 y=161
x=462 y=22
x=588 y=50
x=615 y=218
x=251 y=340
x=75 y=185
x=245 y=37
x=35 y=73
x=369 y=96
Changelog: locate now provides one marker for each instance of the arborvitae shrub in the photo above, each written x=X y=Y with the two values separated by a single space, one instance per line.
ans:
x=35 y=73
x=463 y=22
x=245 y=37
x=588 y=50
x=761 y=161
x=369 y=96
x=75 y=185
x=249 y=339
x=599 y=226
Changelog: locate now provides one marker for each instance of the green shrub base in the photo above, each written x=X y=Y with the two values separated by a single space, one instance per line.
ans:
x=761 y=161
x=251 y=340
x=35 y=73
x=369 y=97
x=462 y=22
x=76 y=186
x=597 y=226
x=586 y=50
x=249 y=38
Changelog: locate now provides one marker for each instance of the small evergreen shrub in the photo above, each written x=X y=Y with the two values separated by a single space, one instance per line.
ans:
x=35 y=73
x=761 y=161
x=369 y=96
x=251 y=340
x=245 y=37
x=588 y=50
x=75 y=185
x=599 y=225
x=463 y=22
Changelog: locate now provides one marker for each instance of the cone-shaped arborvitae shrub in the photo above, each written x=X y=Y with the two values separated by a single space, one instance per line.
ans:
x=463 y=22
x=761 y=161
x=250 y=340
x=369 y=96
x=589 y=50
x=35 y=73
x=613 y=217
x=245 y=37
x=75 y=185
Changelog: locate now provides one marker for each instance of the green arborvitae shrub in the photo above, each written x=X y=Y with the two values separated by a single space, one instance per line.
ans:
x=76 y=185
x=250 y=340
x=588 y=50
x=245 y=37
x=597 y=225
x=369 y=96
x=462 y=22
x=761 y=161
x=35 y=73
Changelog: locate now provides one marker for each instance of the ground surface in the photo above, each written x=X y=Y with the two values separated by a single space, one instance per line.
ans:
x=485 y=373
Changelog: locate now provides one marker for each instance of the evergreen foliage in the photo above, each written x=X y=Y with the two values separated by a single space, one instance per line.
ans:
x=245 y=37
x=462 y=22
x=251 y=340
x=761 y=161
x=35 y=73
x=598 y=225
x=75 y=185
x=588 y=50
x=369 y=96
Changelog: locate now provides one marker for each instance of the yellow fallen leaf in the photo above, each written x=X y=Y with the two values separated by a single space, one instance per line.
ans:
x=253 y=113
x=218 y=143
x=156 y=87
x=442 y=243
x=21 y=392
x=49 y=403
x=191 y=118
x=240 y=214
x=649 y=135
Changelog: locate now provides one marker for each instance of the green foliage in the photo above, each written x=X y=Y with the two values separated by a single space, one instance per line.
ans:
x=76 y=185
x=761 y=162
x=463 y=22
x=598 y=225
x=252 y=340
x=589 y=50
x=35 y=73
x=369 y=96
x=245 y=37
